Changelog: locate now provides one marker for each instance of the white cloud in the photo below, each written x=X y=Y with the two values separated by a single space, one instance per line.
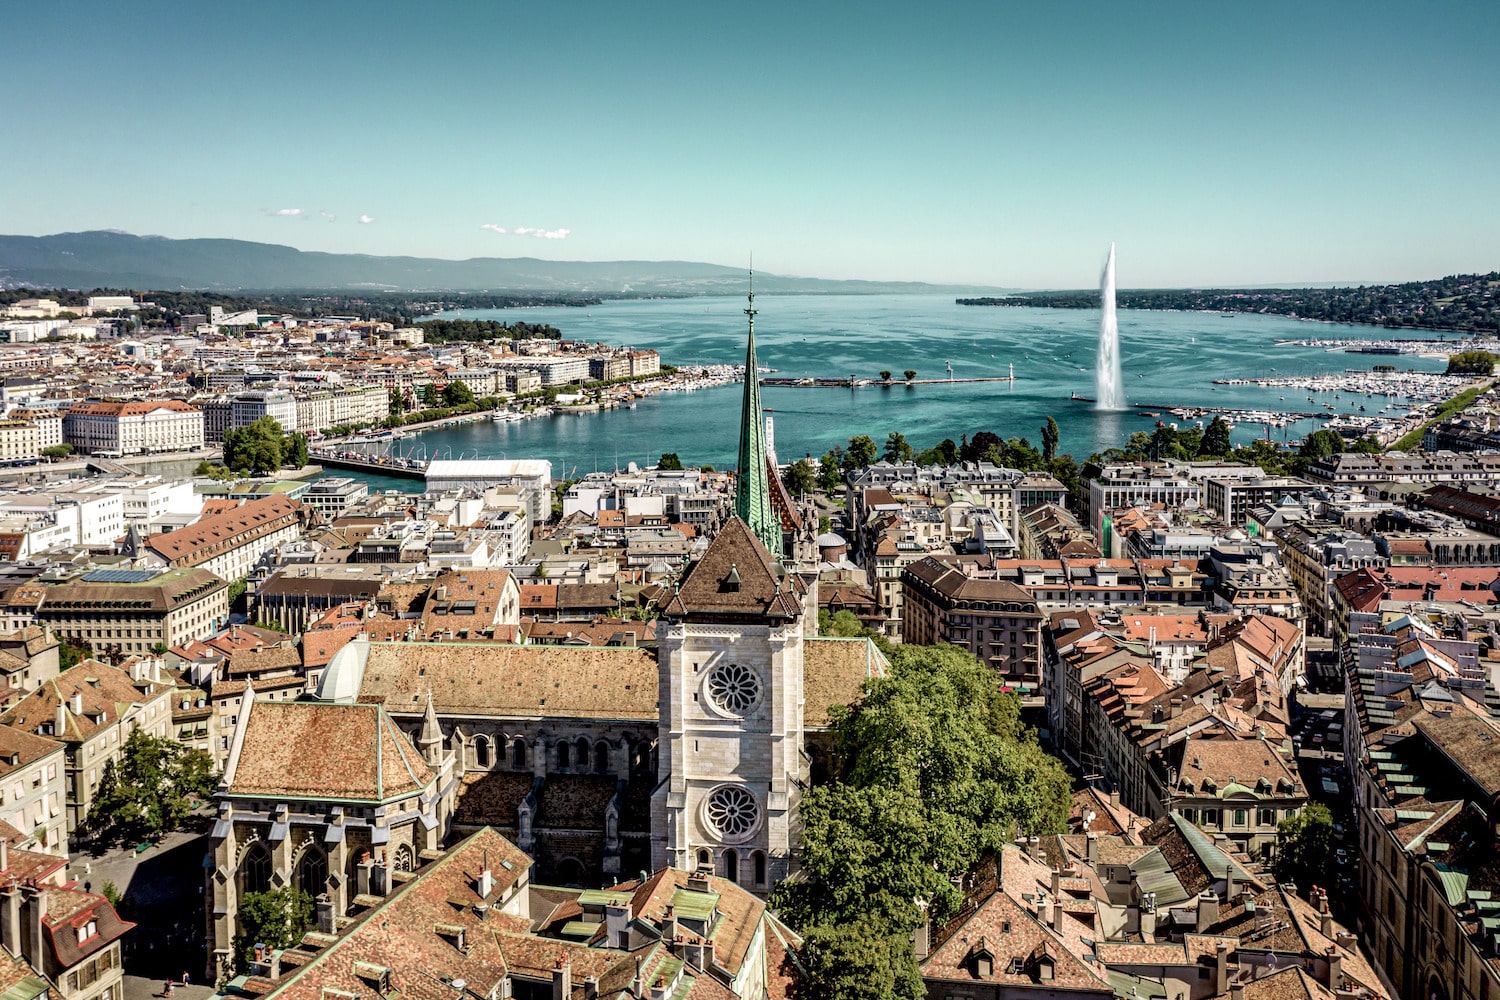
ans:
x=365 y=220
x=289 y=212
x=543 y=234
x=327 y=215
x=493 y=228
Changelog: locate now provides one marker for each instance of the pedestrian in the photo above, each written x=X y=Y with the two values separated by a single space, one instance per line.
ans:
x=167 y=989
x=185 y=979
x=88 y=886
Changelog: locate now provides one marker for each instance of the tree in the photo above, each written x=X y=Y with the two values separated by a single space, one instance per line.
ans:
x=896 y=448
x=56 y=451
x=294 y=450
x=397 y=403
x=150 y=788
x=910 y=374
x=458 y=394
x=71 y=653
x=276 y=918
x=669 y=462
x=975 y=448
x=885 y=375
x=1321 y=443
x=1215 y=439
x=256 y=448
x=830 y=476
x=798 y=478
x=839 y=623
x=931 y=768
x=861 y=453
x=1050 y=438
x=1472 y=363
x=1302 y=846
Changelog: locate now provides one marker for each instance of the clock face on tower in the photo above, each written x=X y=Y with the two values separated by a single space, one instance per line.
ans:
x=733 y=689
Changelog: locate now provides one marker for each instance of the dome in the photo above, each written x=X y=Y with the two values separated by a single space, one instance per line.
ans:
x=345 y=673
x=829 y=540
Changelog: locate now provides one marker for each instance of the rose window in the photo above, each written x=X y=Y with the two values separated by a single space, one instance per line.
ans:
x=733 y=688
x=732 y=811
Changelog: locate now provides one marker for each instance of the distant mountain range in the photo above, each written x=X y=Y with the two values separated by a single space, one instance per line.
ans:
x=111 y=259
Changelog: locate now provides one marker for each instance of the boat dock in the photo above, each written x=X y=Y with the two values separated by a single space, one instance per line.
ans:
x=385 y=465
x=860 y=383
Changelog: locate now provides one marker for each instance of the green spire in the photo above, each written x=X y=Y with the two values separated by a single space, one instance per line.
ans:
x=752 y=494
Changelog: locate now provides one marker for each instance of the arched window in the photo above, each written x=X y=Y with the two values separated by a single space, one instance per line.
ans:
x=705 y=859
x=311 y=875
x=484 y=752
x=583 y=753
x=403 y=858
x=601 y=757
x=518 y=753
x=732 y=865
x=758 y=858
x=562 y=754
x=255 y=870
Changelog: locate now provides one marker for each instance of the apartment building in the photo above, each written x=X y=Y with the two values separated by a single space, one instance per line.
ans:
x=134 y=611
x=92 y=708
x=995 y=620
x=33 y=789
x=115 y=429
x=229 y=544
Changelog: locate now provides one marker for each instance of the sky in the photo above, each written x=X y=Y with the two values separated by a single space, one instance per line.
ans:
x=979 y=143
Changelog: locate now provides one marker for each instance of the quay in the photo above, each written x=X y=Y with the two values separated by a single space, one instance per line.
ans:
x=860 y=383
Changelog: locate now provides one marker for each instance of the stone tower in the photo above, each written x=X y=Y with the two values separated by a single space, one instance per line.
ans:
x=731 y=649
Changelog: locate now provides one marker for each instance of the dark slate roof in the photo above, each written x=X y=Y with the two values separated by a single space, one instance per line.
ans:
x=764 y=590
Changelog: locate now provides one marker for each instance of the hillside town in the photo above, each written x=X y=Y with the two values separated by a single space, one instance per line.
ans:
x=511 y=734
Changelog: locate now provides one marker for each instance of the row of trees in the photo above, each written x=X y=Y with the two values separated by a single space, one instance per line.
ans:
x=909 y=374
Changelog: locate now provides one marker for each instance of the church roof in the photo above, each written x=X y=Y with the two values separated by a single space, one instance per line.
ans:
x=480 y=680
x=294 y=749
x=834 y=669
x=737 y=576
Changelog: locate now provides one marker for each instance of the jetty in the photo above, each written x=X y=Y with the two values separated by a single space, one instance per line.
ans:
x=385 y=465
x=860 y=383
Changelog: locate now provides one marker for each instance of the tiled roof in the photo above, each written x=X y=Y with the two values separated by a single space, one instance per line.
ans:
x=106 y=693
x=322 y=751
x=204 y=538
x=594 y=682
x=833 y=672
x=763 y=589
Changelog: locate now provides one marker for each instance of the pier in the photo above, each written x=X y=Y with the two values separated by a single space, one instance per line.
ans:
x=384 y=465
x=860 y=383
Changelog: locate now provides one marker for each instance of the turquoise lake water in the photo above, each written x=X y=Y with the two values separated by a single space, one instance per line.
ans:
x=1169 y=359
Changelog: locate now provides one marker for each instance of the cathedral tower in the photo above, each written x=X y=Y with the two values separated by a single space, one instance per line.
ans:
x=752 y=490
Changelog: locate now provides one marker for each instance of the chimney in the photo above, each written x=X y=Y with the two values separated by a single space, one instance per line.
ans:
x=75 y=703
x=1092 y=852
x=36 y=904
x=1056 y=912
x=362 y=875
x=694 y=956
x=1347 y=941
x=1114 y=797
x=1031 y=847
x=10 y=920
x=1208 y=911
x=486 y=880
x=1228 y=885
x=4 y=855
x=62 y=720
x=1056 y=882
x=327 y=920
x=590 y=987
x=562 y=979
x=1335 y=969
x=1221 y=966
x=1237 y=991
x=669 y=926
x=1325 y=919
x=922 y=941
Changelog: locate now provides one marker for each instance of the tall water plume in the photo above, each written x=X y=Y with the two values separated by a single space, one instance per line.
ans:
x=1109 y=385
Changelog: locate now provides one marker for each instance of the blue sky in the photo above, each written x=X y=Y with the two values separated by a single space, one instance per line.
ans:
x=1003 y=144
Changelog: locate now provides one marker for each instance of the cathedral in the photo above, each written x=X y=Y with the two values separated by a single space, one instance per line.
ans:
x=598 y=762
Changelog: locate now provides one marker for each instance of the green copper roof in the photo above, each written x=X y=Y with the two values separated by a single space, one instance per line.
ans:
x=752 y=492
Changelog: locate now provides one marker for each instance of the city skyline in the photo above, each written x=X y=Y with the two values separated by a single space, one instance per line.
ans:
x=965 y=144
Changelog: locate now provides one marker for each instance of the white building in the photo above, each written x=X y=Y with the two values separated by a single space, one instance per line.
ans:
x=532 y=478
x=114 y=429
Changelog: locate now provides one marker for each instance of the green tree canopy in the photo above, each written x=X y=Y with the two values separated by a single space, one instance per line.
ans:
x=1472 y=363
x=276 y=918
x=885 y=375
x=896 y=448
x=1303 y=842
x=1321 y=443
x=830 y=466
x=458 y=394
x=149 y=789
x=909 y=374
x=931 y=768
x=798 y=478
x=669 y=462
x=861 y=452
x=1050 y=438
x=57 y=451
x=256 y=448
x=1215 y=440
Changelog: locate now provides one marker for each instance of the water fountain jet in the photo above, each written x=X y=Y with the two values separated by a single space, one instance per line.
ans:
x=1109 y=386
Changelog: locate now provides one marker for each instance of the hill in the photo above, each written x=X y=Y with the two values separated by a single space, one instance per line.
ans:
x=109 y=259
